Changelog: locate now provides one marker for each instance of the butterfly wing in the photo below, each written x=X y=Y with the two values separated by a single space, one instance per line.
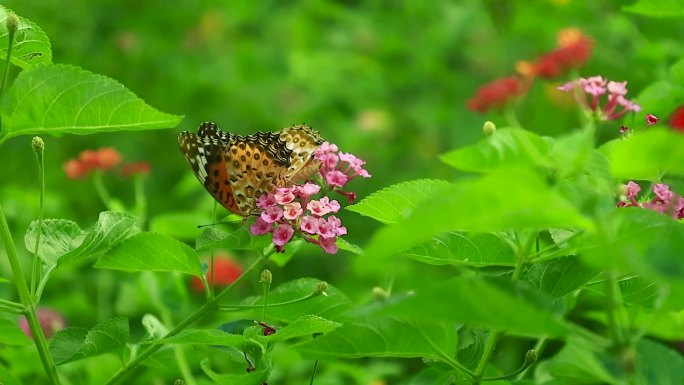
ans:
x=256 y=165
x=205 y=154
x=302 y=141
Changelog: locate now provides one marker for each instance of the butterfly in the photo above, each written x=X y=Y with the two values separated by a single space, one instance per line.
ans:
x=237 y=170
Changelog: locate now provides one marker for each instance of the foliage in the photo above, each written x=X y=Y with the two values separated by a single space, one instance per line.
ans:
x=516 y=254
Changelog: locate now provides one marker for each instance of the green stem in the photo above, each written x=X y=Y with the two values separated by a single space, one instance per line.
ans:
x=207 y=307
x=179 y=354
x=12 y=305
x=140 y=200
x=313 y=372
x=523 y=255
x=35 y=275
x=511 y=117
x=211 y=290
x=7 y=59
x=526 y=364
x=615 y=323
x=27 y=301
x=102 y=190
x=267 y=289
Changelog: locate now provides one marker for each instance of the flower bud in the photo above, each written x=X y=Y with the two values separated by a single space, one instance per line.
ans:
x=322 y=288
x=380 y=294
x=488 y=128
x=179 y=382
x=12 y=23
x=37 y=144
x=531 y=356
x=266 y=277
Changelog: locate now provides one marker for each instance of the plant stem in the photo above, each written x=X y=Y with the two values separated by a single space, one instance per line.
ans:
x=102 y=190
x=523 y=254
x=178 y=351
x=35 y=275
x=27 y=301
x=241 y=307
x=313 y=372
x=613 y=310
x=12 y=307
x=7 y=60
x=207 y=307
x=140 y=200
x=267 y=289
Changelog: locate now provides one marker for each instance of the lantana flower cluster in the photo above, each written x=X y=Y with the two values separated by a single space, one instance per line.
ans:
x=664 y=201
x=103 y=159
x=573 y=51
x=588 y=93
x=293 y=210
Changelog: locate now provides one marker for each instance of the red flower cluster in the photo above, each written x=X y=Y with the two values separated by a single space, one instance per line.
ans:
x=103 y=159
x=497 y=94
x=574 y=50
x=291 y=211
x=664 y=201
x=676 y=119
x=226 y=271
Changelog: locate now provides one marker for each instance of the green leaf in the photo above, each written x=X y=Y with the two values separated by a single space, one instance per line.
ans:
x=7 y=377
x=151 y=251
x=575 y=364
x=204 y=337
x=73 y=344
x=639 y=240
x=61 y=99
x=62 y=241
x=394 y=203
x=677 y=72
x=657 y=8
x=462 y=248
x=331 y=307
x=480 y=205
x=238 y=376
x=480 y=302
x=12 y=334
x=560 y=276
x=31 y=44
x=646 y=155
x=235 y=239
x=178 y=224
x=657 y=364
x=432 y=376
x=506 y=147
x=384 y=337
x=471 y=345
x=345 y=245
x=306 y=325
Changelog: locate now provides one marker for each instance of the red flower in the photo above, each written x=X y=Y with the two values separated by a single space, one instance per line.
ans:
x=226 y=271
x=676 y=120
x=131 y=169
x=574 y=50
x=496 y=94
x=89 y=160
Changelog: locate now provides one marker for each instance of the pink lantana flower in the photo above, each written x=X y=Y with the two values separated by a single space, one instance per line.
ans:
x=651 y=120
x=664 y=201
x=299 y=211
x=615 y=105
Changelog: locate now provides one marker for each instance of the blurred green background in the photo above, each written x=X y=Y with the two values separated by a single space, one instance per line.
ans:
x=386 y=80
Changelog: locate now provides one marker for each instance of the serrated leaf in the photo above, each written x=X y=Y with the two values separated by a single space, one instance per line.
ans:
x=506 y=147
x=657 y=364
x=462 y=248
x=480 y=205
x=235 y=239
x=560 y=276
x=331 y=307
x=471 y=344
x=384 y=337
x=12 y=334
x=306 y=325
x=62 y=241
x=646 y=155
x=154 y=252
x=204 y=337
x=575 y=364
x=31 y=44
x=345 y=245
x=396 y=202
x=73 y=344
x=61 y=99
x=257 y=377
x=480 y=302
